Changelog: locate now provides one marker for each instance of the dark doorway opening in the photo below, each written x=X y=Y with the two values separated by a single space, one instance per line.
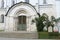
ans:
x=21 y=23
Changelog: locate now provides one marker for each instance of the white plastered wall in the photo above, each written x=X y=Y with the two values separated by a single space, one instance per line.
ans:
x=31 y=14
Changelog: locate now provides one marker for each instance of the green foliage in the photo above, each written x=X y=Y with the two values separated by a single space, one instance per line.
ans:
x=48 y=35
x=43 y=35
x=40 y=21
x=53 y=34
x=1 y=30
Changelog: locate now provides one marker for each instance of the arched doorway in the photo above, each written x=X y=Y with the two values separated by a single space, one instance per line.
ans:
x=19 y=17
x=21 y=23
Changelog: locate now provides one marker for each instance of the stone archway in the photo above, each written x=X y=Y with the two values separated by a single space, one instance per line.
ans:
x=18 y=10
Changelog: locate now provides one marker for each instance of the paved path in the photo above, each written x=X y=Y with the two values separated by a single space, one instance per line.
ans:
x=13 y=39
x=27 y=35
x=23 y=39
x=1 y=38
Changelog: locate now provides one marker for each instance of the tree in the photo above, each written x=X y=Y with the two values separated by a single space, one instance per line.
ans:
x=43 y=20
x=47 y=22
x=52 y=21
x=39 y=22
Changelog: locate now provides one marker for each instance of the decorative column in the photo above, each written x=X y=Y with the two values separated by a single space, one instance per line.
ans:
x=15 y=23
x=28 y=23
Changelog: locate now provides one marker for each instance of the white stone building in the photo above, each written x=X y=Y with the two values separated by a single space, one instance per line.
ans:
x=18 y=17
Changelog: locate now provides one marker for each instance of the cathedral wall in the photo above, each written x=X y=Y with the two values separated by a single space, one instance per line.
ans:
x=49 y=7
x=2 y=12
x=49 y=10
x=9 y=24
x=31 y=26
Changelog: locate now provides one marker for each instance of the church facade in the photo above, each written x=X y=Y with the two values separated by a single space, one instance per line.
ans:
x=19 y=16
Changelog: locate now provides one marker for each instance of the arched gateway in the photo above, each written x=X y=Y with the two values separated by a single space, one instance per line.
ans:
x=19 y=17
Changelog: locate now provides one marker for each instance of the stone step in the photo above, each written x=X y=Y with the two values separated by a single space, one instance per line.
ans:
x=27 y=35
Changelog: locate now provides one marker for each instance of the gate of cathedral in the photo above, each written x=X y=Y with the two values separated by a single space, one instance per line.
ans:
x=21 y=15
x=21 y=23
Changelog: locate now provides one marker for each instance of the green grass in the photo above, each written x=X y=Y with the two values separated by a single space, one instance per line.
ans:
x=46 y=35
x=43 y=35
x=1 y=30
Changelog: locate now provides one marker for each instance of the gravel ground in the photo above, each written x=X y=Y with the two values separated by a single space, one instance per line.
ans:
x=1 y=38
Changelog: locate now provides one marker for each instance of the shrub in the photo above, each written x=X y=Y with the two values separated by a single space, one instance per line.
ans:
x=53 y=35
x=43 y=35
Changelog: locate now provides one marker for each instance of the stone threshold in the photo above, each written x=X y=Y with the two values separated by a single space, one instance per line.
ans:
x=19 y=34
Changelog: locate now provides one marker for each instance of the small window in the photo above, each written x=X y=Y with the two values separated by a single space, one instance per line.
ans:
x=44 y=2
x=2 y=18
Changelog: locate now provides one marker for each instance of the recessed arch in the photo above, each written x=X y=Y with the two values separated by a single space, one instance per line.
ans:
x=26 y=10
x=18 y=5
